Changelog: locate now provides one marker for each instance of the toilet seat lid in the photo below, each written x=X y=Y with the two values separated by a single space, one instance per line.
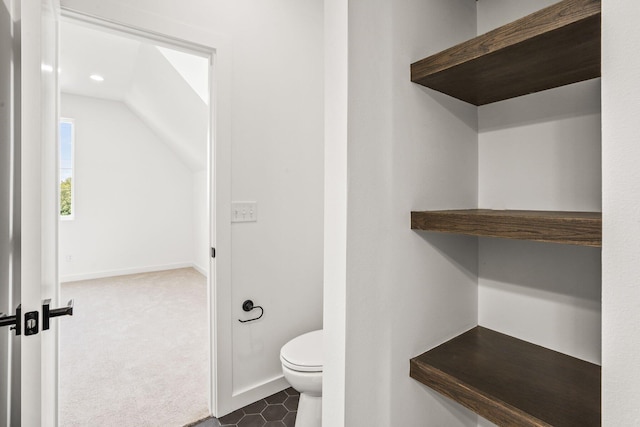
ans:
x=303 y=353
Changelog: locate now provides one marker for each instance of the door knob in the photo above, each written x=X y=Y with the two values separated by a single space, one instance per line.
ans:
x=48 y=313
x=12 y=320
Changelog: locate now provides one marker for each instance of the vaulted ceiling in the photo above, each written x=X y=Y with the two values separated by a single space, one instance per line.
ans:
x=167 y=89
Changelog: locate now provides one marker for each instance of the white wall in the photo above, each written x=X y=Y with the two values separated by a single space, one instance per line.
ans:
x=540 y=152
x=165 y=101
x=277 y=160
x=621 y=186
x=133 y=197
x=336 y=54
x=408 y=148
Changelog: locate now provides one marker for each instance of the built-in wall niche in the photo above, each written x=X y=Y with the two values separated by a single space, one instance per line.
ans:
x=510 y=381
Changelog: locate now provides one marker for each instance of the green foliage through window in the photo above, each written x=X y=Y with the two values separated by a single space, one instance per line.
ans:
x=65 y=173
x=65 y=197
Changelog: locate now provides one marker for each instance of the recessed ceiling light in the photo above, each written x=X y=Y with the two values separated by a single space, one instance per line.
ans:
x=46 y=67
x=96 y=77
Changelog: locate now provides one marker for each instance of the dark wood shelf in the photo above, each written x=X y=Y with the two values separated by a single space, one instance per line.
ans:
x=573 y=228
x=553 y=47
x=512 y=382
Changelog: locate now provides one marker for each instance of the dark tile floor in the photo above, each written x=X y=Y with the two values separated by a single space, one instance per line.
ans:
x=277 y=410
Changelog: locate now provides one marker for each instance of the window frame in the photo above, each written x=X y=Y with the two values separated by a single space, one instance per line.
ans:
x=72 y=122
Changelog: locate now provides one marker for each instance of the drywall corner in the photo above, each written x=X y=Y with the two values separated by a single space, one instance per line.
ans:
x=620 y=203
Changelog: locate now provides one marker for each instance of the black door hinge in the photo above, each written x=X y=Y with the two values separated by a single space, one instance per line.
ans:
x=213 y=252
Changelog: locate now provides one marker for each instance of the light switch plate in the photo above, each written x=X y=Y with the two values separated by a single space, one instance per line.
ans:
x=244 y=211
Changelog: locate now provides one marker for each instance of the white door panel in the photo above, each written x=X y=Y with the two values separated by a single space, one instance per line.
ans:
x=36 y=219
x=6 y=194
x=30 y=141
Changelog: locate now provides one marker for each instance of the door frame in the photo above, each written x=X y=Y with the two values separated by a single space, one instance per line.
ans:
x=218 y=48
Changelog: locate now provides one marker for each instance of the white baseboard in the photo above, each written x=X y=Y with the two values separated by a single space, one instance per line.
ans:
x=124 y=272
x=200 y=270
x=256 y=392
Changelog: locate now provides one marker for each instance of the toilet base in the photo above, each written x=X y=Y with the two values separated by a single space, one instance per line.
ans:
x=309 y=411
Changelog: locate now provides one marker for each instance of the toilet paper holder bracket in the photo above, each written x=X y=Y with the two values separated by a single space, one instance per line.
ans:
x=248 y=306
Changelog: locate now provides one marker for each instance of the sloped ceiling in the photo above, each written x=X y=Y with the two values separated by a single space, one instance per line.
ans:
x=163 y=88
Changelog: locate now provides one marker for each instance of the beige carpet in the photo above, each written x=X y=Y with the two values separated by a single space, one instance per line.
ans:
x=135 y=352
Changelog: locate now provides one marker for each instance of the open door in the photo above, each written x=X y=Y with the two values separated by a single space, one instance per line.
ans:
x=6 y=191
x=28 y=261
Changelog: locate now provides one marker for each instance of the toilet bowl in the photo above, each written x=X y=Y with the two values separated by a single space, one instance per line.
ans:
x=302 y=367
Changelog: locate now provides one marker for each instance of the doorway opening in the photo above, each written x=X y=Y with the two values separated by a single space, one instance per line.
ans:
x=134 y=230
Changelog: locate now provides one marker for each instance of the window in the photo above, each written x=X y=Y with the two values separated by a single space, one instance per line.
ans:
x=65 y=174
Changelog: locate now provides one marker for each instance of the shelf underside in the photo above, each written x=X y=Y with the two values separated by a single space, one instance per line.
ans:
x=574 y=228
x=512 y=382
x=553 y=47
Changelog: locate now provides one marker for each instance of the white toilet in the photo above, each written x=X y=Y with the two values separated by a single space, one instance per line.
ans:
x=302 y=366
